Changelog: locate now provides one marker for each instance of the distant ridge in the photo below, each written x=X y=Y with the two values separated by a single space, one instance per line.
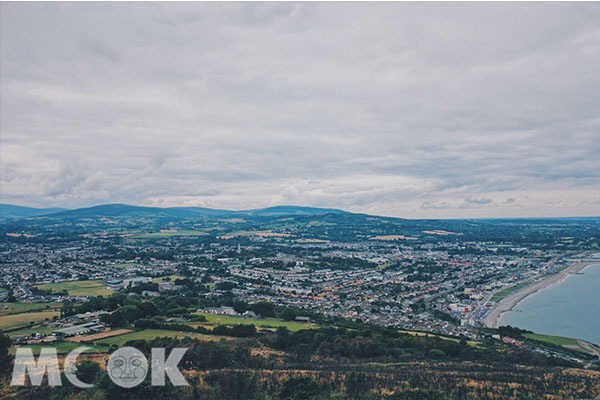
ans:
x=116 y=210
x=12 y=211
x=290 y=210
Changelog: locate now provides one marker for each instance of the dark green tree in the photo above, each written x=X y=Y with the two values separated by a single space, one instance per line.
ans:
x=299 y=388
x=5 y=358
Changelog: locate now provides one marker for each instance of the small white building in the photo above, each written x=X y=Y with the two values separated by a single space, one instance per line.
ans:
x=135 y=281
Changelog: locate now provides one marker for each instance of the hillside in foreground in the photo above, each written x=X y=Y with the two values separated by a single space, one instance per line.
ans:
x=329 y=358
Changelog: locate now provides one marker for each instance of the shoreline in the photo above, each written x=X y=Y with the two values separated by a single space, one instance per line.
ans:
x=493 y=317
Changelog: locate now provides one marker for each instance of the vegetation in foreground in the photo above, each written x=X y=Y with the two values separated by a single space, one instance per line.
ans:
x=337 y=359
x=336 y=363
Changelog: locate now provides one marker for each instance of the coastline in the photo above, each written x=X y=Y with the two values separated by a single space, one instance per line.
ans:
x=492 y=319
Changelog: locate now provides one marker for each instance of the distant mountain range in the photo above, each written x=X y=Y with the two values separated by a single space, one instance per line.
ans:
x=10 y=211
x=115 y=210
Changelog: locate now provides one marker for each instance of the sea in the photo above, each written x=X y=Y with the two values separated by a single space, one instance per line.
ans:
x=570 y=308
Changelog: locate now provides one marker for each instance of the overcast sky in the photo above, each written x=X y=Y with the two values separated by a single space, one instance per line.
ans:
x=411 y=110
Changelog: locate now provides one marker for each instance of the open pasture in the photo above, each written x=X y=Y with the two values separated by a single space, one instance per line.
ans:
x=168 y=233
x=79 y=288
x=17 y=320
x=16 y=308
x=213 y=319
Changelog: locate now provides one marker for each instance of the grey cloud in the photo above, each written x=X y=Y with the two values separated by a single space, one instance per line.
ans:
x=99 y=49
x=478 y=201
x=441 y=205
x=414 y=110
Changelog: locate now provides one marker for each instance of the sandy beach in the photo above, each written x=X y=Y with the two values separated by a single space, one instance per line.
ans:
x=492 y=318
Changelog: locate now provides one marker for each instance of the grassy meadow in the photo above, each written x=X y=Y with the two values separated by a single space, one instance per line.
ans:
x=168 y=278
x=162 y=235
x=567 y=342
x=212 y=319
x=79 y=288
x=16 y=308
x=23 y=319
x=46 y=330
x=149 y=334
x=505 y=292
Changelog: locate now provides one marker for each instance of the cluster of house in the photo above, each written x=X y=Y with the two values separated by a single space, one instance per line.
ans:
x=505 y=339
x=34 y=338
x=74 y=325
x=463 y=284
x=117 y=284
x=224 y=310
x=77 y=330
x=512 y=341
x=34 y=264
x=460 y=307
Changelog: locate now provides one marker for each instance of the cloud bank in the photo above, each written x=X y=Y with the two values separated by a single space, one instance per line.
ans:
x=412 y=110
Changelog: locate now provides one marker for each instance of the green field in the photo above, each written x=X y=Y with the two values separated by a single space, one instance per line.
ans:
x=160 y=235
x=321 y=223
x=173 y=278
x=384 y=266
x=123 y=266
x=46 y=330
x=15 y=308
x=79 y=288
x=511 y=289
x=569 y=343
x=213 y=319
x=149 y=334
x=17 y=320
